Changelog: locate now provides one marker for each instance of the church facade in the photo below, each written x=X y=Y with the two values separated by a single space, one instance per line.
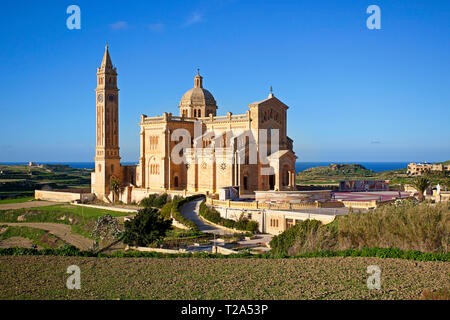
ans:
x=196 y=151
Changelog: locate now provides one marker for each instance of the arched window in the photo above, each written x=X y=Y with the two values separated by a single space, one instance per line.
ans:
x=195 y=113
x=199 y=113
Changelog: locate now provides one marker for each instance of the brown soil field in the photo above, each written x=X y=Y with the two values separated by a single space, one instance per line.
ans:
x=44 y=277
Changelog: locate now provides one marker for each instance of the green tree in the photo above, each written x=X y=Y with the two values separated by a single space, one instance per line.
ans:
x=446 y=183
x=421 y=184
x=146 y=227
x=115 y=186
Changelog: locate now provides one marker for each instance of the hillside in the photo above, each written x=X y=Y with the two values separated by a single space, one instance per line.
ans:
x=21 y=180
x=342 y=170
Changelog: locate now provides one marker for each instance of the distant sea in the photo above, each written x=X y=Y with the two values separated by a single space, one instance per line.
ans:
x=375 y=166
x=300 y=166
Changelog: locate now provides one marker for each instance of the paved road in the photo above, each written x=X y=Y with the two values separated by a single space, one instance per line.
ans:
x=60 y=230
x=190 y=211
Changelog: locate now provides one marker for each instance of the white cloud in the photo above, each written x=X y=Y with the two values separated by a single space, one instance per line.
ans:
x=194 y=18
x=119 y=25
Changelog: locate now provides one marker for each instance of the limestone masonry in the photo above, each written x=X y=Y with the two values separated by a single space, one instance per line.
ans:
x=195 y=152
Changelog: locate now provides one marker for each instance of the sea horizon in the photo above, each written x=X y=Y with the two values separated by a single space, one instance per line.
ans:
x=299 y=165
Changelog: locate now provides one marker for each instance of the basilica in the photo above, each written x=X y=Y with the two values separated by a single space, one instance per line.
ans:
x=196 y=151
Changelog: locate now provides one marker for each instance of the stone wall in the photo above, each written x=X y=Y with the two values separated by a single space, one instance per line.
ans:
x=293 y=196
x=272 y=221
x=60 y=196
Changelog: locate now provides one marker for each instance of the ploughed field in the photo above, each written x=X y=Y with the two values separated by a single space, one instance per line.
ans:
x=44 y=277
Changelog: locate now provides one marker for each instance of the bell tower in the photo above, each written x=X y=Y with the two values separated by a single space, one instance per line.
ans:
x=107 y=159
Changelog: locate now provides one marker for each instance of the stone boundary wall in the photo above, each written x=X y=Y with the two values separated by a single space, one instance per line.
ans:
x=221 y=227
x=179 y=225
x=147 y=249
x=106 y=208
x=59 y=196
x=272 y=206
x=222 y=250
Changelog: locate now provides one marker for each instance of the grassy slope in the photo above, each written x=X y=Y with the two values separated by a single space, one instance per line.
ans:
x=37 y=236
x=83 y=218
x=16 y=200
x=197 y=278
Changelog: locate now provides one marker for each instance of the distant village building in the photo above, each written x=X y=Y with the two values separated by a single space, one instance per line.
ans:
x=216 y=157
x=364 y=185
x=418 y=169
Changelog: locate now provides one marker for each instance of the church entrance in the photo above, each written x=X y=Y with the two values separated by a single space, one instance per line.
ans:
x=271 y=182
x=175 y=182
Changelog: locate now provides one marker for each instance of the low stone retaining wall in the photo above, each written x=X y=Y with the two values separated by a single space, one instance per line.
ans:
x=222 y=250
x=106 y=208
x=160 y=250
x=61 y=196
x=179 y=225
x=272 y=206
x=220 y=226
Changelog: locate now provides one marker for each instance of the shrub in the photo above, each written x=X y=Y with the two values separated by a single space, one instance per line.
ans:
x=107 y=227
x=146 y=227
x=213 y=216
x=407 y=226
x=166 y=210
x=155 y=201
x=177 y=203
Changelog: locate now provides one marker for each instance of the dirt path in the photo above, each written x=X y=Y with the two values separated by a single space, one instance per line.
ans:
x=60 y=230
x=28 y=204
x=17 y=242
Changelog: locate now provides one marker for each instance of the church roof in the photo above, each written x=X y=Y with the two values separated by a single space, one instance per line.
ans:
x=198 y=96
x=106 y=62
x=270 y=97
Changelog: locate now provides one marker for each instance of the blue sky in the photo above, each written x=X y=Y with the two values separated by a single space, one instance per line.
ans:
x=354 y=94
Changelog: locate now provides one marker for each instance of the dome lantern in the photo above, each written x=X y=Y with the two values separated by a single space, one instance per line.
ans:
x=197 y=102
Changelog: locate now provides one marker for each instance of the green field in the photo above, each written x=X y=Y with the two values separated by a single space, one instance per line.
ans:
x=201 y=278
x=16 y=200
x=20 y=180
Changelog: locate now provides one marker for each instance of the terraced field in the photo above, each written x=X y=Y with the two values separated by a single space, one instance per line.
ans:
x=44 y=277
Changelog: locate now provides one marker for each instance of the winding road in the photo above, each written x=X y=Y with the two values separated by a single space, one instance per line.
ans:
x=190 y=211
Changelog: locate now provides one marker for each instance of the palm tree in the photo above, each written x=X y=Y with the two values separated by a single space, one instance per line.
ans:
x=421 y=184
x=115 y=186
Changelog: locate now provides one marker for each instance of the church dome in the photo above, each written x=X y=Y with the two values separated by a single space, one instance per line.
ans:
x=197 y=97
x=198 y=102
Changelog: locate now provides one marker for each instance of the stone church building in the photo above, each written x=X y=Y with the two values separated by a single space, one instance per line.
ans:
x=196 y=151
